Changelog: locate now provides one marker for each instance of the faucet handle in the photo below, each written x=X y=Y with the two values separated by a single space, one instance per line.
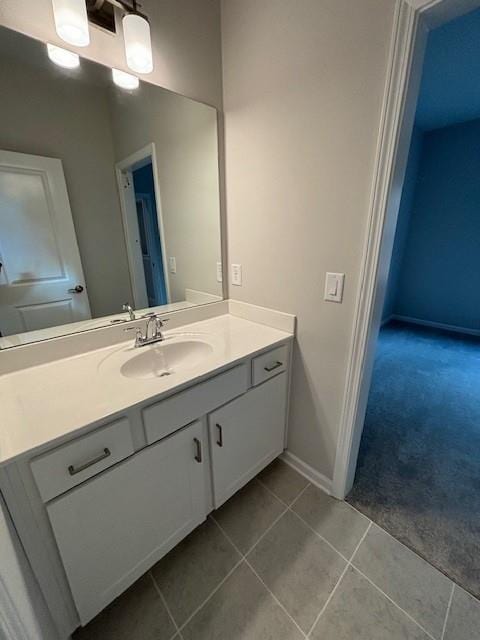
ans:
x=138 y=333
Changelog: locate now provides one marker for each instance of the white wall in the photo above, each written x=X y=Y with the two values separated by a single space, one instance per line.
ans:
x=185 y=41
x=303 y=89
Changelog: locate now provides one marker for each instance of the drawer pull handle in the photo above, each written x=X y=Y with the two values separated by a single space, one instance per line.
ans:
x=198 y=455
x=74 y=470
x=220 y=435
x=273 y=366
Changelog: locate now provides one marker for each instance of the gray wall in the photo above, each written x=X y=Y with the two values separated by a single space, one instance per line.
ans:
x=303 y=89
x=75 y=127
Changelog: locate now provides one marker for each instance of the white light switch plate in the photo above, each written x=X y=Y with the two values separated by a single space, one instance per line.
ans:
x=172 y=265
x=237 y=275
x=219 y=272
x=334 y=287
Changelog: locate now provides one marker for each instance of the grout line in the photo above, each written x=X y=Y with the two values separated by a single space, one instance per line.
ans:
x=280 y=499
x=319 y=535
x=165 y=604
x=448 y=612
x=347 y=566
x=237 y=564
x=410 y=549
x=393 y=602
x=200 y=606
x=244 y=558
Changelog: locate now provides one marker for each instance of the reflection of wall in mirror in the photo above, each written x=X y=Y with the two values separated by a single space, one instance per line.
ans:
x=185 y=137
x=43 y=113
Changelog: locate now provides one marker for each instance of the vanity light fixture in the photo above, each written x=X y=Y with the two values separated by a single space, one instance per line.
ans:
x=71 y=21
x=138 y=44
x=63 y=57
x=125 y=80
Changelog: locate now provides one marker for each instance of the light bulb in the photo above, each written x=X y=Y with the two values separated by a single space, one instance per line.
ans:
x=125 y=80
x=138 y=45
x=71 y=21
x=62 y=57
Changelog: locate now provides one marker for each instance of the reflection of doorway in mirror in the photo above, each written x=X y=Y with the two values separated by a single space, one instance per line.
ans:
x=143 y=226
x=41 y=276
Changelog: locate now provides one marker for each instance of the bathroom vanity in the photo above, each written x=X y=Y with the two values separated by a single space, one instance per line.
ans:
x=111 y=457
x=113 y=450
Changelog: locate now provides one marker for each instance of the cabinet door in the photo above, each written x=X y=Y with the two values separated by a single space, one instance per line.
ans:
x=246 y=435
x=114 y=527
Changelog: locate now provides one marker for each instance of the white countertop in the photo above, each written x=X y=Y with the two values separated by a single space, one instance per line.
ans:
x=46 y=404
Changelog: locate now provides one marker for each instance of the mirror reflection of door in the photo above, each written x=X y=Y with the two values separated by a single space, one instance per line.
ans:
x=41 y=276
x=143 y=227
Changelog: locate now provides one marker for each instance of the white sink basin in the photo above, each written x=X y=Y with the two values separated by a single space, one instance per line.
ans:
x=165 y=358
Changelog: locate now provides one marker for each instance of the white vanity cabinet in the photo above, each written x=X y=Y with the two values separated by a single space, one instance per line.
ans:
x=98 y=510
x=111 y=529
x=246 y=435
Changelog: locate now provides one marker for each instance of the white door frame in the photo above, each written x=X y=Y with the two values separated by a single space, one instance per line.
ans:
x=124 y=169
x=412 y=21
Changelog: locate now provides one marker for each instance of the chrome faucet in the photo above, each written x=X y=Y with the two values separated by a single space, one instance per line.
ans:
x=126 y=307
x=151 y=335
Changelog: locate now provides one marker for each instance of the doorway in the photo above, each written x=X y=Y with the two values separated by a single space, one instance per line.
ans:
x=418 y=415
x=143 y=226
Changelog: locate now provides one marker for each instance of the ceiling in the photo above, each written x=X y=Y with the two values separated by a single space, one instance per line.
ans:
x=450 y=89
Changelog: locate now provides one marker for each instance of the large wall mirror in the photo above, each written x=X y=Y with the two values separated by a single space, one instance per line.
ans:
x=107 y=196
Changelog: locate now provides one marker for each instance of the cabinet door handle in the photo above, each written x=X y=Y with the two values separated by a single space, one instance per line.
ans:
x=74 y=470
x=198 y=455
x=273 y=366
x=220 y=435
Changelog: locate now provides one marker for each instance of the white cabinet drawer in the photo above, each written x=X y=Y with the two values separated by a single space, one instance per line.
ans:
x=67 y=466
x=269 y=364
x=166 y=416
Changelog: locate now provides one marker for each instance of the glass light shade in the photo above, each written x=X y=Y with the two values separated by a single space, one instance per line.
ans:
x=71 y=21
x=138 y=45
x=62 y=57
x=125 y=80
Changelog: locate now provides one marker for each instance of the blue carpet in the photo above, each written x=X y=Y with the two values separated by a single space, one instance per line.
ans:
x=418 y=473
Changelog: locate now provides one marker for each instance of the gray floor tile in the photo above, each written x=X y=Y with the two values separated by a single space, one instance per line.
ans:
x=335 y=520
x=418 y=588
x=358 y=611
x=241 y=609
x=464 y=618
x=299 y=568
x=189 y=573
x=138 y=614
x=248 y=514
x=283 y=481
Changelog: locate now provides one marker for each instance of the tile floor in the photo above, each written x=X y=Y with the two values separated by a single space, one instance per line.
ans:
x=282 y=560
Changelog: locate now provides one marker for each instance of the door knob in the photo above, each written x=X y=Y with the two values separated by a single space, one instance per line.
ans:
x=77 y=289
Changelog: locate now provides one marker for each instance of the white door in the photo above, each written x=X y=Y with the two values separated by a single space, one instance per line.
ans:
x=113 y=528
x=246 y=435
x=40 y=270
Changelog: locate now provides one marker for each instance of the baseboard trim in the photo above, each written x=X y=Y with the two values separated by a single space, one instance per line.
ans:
x=304 y=469
x=437 y=325
x=387 y=320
